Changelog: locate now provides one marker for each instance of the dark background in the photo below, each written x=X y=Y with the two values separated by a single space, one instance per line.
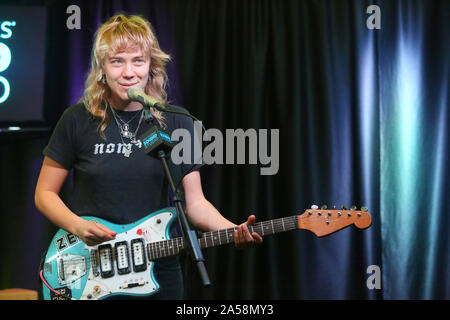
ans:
x=363 y=118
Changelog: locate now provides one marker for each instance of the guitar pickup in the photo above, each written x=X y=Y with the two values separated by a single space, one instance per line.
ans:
x=138 y=255
x=122 y=258
x=106 y=260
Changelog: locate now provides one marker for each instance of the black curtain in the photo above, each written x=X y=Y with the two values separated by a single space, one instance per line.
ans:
x=362 y=116
x=292 y=65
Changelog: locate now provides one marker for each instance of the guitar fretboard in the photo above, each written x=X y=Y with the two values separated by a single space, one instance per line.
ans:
x=161 y=249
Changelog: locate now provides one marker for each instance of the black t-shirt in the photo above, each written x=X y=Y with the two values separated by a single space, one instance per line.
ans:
x=106 y=184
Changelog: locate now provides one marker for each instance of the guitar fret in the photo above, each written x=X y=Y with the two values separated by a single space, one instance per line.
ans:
x=206 y=240
x=156 y=250
x=152 y=248
x=158 y=247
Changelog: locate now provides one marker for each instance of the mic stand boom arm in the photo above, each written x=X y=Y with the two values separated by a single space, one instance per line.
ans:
x=157 y=143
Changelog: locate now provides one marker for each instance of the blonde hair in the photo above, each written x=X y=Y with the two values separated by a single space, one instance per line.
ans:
x=119 y=33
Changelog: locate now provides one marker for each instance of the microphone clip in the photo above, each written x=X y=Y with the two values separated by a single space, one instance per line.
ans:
x=148 y=116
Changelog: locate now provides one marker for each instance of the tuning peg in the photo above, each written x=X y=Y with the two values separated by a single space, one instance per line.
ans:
x=323 y=207
x=334 y=207
x=364 y=209
x=314 y=207
x=343 y=207
x=353 y=208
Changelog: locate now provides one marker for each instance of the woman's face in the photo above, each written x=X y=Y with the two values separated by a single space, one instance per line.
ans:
x=124 y=70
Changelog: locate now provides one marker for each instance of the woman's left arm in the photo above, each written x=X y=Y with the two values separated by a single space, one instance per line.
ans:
x=205 y=216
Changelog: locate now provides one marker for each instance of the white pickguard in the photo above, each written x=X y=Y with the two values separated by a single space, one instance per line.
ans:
x=150 y=230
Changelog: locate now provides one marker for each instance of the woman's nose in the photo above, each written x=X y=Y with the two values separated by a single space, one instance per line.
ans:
x=127 y=71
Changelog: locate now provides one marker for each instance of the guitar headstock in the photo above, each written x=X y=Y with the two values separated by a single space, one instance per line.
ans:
x=323 y=221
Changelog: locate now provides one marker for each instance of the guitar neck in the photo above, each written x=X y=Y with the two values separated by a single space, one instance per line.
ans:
x=265 y=228
x=161 y=249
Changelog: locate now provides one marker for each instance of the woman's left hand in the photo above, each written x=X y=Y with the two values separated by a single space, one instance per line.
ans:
x=242 y=237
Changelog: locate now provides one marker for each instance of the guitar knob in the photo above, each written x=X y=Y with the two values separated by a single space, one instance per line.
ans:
x=323 y=207
x=364 y=209
x=353 y=208
x=314 y=207
x=343 y=207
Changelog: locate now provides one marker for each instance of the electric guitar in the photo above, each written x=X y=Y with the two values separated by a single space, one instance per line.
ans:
x=124 y=266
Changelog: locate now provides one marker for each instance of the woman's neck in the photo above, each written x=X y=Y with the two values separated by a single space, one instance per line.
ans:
x=125 y=105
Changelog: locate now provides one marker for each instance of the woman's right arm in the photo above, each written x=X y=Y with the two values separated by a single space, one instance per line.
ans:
x=47 y=201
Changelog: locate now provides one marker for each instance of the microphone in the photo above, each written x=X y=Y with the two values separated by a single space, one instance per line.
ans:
x=137 y=94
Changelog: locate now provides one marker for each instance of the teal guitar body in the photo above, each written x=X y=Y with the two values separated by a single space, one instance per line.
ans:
x=123 y=266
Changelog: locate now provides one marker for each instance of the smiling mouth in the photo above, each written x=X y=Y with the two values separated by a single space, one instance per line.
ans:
x=128 y=85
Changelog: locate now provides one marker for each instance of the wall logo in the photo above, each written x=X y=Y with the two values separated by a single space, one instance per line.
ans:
x=5 y=57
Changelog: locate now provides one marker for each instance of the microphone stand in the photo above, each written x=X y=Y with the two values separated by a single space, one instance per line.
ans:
x=157 y=144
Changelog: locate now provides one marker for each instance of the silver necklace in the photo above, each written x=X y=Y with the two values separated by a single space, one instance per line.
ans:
x=125 y=129
x=127 y=133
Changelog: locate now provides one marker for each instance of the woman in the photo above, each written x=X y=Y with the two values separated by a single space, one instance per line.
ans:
x=113 y=177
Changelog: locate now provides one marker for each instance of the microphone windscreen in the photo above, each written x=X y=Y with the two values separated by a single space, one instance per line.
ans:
x=134 y=93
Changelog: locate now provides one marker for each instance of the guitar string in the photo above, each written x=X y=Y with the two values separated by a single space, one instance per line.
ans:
x=158 y=249
x=288 y=223
x=276 y=223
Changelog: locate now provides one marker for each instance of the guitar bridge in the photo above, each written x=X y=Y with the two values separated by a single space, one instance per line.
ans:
x=70 y=268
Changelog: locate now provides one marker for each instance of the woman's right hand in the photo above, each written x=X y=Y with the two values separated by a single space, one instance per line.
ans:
x=47 y=201
x=93 y=233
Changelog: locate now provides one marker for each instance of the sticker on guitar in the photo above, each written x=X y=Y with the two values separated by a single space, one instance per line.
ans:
x=66 y=241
